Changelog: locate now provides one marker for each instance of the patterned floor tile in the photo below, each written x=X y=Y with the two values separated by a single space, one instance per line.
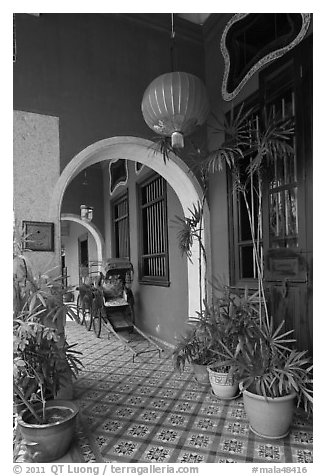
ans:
x=237 y=428
x=211 y=410
x=191 y=457
x=184 y=407
x=142 y=411
x=167 y=435
x=237 y=413
x=233 y=446
x=139 y=430
x=111 y=426
x=177 y=420
x=199 y=441
x=303 y=456
x=149 y=415
x=157 y=454
x=124 y=448
x=301 y=437
x=205 y=424
x=168 y=393
x=270 y=452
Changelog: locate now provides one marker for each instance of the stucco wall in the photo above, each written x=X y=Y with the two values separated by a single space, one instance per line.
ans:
x=70 y=243
x=35 y=172
x=161 y=311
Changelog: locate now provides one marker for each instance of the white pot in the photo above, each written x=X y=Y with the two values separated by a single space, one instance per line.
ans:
x=269 y=417
x=223 y=385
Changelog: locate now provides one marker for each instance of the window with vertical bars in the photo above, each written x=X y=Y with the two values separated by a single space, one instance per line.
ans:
x=280 y=191
x=154 y=266
x=120 y=213
x=283 y=185
x=244 y=256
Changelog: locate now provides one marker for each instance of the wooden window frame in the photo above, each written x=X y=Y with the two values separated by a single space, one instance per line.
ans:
x=235 y=244
x=114 y=203
x=292 y=64
x=149 y=279
x=255 y=101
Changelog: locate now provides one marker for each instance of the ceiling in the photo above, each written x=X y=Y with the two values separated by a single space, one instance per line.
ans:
x=198 y=18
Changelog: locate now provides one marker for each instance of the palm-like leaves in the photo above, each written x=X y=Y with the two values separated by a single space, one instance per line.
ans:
x=242 y=138
x=190 y=230
x=266 y=365
x=162 y=145
x=263 y=358
x=191 y=348
x=237 y=139
x=42 y=361
x=271 y=142
x=238 y=329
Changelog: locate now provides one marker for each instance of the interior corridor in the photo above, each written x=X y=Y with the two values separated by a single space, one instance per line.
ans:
x=145 y=412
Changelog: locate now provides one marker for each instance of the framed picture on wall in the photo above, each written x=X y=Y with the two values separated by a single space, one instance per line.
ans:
x=39 y=235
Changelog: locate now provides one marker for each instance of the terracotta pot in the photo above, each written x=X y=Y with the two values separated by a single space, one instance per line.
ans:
x=269 y=417
x=52 y=439
x=201 y=374
x=223 y=386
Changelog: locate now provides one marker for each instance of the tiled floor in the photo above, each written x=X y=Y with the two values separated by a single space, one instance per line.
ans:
x=145 y=412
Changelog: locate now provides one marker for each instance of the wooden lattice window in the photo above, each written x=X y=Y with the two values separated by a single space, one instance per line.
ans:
x=283 y=185
x=121 y=241
x=154 y=260
x=280 y=188
x=245 y=265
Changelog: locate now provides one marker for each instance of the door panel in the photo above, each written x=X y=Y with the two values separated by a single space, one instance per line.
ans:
x=287 y=205
x=290 y=302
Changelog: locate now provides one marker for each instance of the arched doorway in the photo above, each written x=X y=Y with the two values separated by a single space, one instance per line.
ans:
x=174 y=171
x=95 y=232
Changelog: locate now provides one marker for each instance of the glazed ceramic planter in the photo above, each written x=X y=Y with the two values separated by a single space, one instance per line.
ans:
x=223 y=386
x=269 y=417
x=201 y=374
x=50 y=441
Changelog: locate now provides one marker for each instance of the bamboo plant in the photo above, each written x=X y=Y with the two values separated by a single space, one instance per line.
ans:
x=262 y=143
x=264 y=360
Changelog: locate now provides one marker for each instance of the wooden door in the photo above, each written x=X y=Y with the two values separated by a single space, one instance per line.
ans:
x=288 y=199
x=83 y=258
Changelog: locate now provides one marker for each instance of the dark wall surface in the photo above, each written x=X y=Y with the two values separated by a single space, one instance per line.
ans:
x=91 y=71
x=86 y=190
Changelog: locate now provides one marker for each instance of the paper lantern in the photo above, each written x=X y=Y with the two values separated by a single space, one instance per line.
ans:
x=174 y=104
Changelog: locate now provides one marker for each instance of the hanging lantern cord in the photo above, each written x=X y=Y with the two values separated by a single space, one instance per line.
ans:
x=172 y=44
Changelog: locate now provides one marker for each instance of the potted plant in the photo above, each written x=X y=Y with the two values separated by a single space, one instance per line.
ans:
x=272 y=374
x=214 y=322
x=224 y=385
x=193 y=349
x=230 y=320
x=43 y=363
x=263 y=359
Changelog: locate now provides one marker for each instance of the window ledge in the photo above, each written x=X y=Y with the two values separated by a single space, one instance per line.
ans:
x=154 y=282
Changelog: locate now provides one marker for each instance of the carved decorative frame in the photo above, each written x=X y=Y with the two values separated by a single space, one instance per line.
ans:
x=117 y=177
x=138 y=167
x=228 y=96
